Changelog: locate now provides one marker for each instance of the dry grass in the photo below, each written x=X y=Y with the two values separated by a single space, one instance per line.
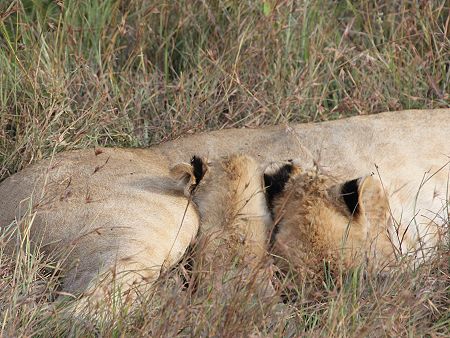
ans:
x=133 y=73
x=401 y=303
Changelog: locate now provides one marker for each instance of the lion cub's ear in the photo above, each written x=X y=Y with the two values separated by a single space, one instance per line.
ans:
x=365 y=197
x=189 y=175
x=373 y=200
x=276 y=175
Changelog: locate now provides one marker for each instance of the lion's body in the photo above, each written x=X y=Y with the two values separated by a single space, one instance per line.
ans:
x=116 y=209
x=322 y=218
x=235 y=223
x=119 y=206
x=234 y=216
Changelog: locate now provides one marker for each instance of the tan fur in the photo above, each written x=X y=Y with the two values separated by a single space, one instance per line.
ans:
x=234 y=225
x=232 y=207
x=110 y=211
x=316 y=227
x=119 y=209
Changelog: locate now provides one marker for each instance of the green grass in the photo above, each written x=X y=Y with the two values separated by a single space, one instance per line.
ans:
x=75 y=74
x=134 y=73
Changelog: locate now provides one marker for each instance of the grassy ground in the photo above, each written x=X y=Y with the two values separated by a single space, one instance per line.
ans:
x=134 y=73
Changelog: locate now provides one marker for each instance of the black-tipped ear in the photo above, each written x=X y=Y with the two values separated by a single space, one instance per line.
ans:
x=365 y=196
x=199 y=167
x=275 y=181
x=188 y=176
x=350 y=195
x=373 y=201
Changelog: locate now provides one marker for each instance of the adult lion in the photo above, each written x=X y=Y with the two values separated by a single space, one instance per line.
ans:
x=118 y=209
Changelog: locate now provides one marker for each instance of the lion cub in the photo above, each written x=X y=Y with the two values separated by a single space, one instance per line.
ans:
x=234 y=222
x=319 y=219
x=229 y=195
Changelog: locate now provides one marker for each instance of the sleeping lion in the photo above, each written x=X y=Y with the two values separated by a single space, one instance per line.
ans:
x=111 y=212
x=322 y=219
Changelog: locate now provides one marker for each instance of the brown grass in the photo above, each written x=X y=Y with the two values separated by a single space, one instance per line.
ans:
x=75 y=74
x=183 y=303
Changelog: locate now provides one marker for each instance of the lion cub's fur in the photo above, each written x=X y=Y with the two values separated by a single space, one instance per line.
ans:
x=234 y=224
x=323 y=220
x=229 y=195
